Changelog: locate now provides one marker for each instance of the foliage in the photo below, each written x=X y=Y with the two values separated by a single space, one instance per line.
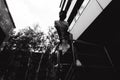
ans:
x=32 y=40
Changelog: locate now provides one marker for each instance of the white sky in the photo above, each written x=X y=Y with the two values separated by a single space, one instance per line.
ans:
x=29 y=12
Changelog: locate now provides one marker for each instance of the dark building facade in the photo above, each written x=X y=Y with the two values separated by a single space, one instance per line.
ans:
x=104 y=32
x=6 y=21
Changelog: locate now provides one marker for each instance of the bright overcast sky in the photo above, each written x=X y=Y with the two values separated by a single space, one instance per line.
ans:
x=29 y=12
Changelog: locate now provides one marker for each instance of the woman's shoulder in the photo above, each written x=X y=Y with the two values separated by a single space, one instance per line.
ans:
x=61 y=22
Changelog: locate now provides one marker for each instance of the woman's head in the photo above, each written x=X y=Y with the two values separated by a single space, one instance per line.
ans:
x=62 y=15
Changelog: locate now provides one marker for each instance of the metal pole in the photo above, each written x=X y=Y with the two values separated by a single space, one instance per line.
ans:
x=28 y=65
x=73 y=52
x=109 y=58
x=39 y=66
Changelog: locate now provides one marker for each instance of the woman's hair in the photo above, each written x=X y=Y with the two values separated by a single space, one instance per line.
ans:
x=62 y=15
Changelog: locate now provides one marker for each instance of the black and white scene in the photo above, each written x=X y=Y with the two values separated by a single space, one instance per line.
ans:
x=59 y=40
